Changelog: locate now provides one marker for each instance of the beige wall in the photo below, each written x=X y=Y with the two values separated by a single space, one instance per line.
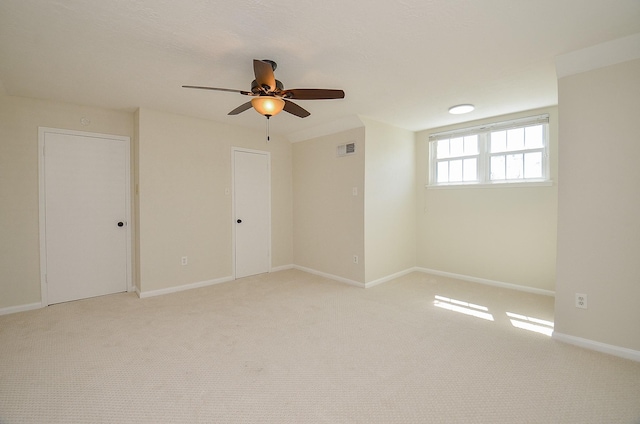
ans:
x=599 y=207
x=184 y=170
x=390 y=198
x=19 y=231
x=503 y=234
x=328 y=224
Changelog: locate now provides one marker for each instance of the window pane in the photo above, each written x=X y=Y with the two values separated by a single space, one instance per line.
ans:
x=471 y=145
x=443 y=149
x=442 y=172
x=512 y=154
x=515 y=139
x=498 y=141
x=470 y=171
x=455 y=170
x=533 y=137
x=456 y=147
x=497 y=168
x=533 y=165
x=514 y=167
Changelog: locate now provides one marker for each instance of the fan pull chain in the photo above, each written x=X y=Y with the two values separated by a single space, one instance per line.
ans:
x=268 y=116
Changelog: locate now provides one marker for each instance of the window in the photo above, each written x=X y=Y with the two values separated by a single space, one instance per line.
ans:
x=504 y=152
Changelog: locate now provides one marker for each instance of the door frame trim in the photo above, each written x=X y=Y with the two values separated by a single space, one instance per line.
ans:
x=233 y=204
x=44 y=301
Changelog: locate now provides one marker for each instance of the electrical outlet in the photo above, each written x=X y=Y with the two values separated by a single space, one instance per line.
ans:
x=355 y=259
x=184 y=260
x=581 y=300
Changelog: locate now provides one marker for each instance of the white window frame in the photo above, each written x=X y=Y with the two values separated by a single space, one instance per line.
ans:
x=484 y=155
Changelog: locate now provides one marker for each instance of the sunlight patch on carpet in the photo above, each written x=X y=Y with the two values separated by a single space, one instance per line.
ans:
x=463 y=307
x=531 y=324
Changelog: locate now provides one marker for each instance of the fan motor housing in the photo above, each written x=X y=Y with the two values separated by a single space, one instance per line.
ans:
x=255 y=88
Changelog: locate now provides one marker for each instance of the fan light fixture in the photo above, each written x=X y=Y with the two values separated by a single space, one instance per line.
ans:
x=267 y=105
x=460 y=109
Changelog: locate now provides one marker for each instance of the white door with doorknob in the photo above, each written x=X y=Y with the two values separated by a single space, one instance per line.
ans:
x=84 y=214
x=252 y=209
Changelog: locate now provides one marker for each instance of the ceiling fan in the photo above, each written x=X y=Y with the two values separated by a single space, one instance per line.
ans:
x=269 y=95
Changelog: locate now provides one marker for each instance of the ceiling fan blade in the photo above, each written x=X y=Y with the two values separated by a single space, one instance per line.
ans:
x=246 y=93
x=296 y=110
x=312 y=94
x=240 y=109
x=264 y=75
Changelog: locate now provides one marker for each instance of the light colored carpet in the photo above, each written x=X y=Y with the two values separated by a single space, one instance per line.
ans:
x=290 y=347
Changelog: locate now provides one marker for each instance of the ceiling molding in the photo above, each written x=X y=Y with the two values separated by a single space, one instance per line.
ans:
x=598 y=56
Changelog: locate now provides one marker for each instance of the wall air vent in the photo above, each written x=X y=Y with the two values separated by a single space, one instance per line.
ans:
x=346 y=149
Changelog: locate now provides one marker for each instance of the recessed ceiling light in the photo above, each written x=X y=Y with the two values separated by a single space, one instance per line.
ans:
x=460 y=109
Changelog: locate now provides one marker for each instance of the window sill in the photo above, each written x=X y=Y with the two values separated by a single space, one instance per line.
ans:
x=490 y=185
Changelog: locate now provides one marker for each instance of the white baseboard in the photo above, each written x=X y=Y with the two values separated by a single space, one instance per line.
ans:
x=183 y=287
x=282 y=268
x=426 y=271
x=511 y=286
x=20 y=308
x=350 y=282
x=329 y=276
x=389 y=277
x=621 y=352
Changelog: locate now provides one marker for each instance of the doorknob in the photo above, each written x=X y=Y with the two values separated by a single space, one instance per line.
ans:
x=120 y=224
x=239 y=221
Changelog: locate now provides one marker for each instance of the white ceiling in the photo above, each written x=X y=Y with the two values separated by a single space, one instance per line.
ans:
x=403 y=62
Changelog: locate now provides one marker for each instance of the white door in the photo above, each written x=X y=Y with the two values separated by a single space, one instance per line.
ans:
x=84 y=200
x=252 y=208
